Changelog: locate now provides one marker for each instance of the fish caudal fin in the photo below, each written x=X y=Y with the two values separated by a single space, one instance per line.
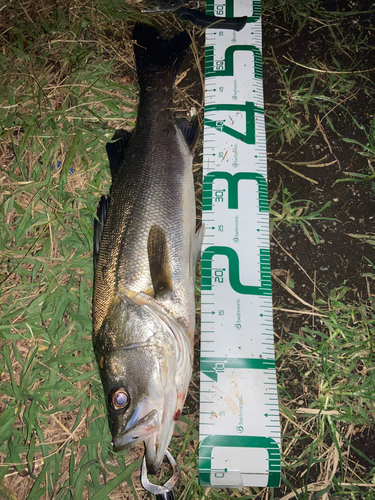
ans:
x=157 y=58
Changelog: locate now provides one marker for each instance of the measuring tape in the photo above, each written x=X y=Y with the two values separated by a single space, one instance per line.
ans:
x=239 y=414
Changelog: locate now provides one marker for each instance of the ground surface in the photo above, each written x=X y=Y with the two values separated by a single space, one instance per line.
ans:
x=322 y=124
x=68 y=80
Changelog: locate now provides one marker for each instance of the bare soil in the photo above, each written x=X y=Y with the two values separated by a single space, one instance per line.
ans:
x=339 y=259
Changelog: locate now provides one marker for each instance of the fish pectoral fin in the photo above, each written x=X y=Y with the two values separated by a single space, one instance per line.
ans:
x=101 y=214
x=116 y=149
x=190 y=130
x=159 y=260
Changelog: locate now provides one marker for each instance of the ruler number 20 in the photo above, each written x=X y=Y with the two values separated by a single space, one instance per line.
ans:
x=219 y=273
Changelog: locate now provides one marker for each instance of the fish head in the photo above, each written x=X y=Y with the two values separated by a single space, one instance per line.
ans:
x=139 y=369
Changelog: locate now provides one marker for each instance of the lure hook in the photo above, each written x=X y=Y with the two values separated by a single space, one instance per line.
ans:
x=161 y=492
x=197 y=17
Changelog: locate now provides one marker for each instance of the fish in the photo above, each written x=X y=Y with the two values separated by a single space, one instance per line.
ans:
x=146 y=250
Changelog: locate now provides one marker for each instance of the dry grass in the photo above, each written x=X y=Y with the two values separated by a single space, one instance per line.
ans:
x=70 y=81
x=67 y=81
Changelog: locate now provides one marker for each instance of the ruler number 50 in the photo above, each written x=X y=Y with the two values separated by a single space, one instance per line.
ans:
x=219 y=9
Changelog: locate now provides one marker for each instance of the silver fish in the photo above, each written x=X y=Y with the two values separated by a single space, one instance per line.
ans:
x=145 y=251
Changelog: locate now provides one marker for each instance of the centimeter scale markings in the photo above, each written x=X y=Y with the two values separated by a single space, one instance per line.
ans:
x=239 y=415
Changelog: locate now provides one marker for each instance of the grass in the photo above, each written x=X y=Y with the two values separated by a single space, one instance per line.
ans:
x=67 y=82
x=325 y=333
x=326 y=84
x=60 y=100
x=333 y=357
x=295 y=213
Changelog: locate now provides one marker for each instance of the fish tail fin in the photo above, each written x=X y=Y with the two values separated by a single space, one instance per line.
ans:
x=157 y=58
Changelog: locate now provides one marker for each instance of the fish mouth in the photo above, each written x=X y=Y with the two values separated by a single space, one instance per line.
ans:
x=140 y=431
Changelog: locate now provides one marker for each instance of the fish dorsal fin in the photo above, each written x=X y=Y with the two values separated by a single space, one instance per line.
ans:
x=116 y=149
x=190 y=130
x=101 y=214
x=159 y=260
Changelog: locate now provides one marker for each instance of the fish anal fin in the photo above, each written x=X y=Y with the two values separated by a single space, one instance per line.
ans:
x=190 y=130
x=159 y=261
x=196 y=250
x=116 y=149
x=101 y=214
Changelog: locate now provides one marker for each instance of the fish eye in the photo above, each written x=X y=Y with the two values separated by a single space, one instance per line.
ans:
x=118 y=398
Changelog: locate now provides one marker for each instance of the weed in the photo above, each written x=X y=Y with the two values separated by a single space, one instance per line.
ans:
x=295 y=212
x=368 y=149
x=320 y=84
x=59 y=100
x=66 y=83
x=337 y=381
x=322 y=87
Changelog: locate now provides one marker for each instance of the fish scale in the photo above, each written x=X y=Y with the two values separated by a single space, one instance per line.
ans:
x=239 y=417
x=159 y=184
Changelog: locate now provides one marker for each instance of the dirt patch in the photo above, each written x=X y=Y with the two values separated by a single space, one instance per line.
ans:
x=318 y=123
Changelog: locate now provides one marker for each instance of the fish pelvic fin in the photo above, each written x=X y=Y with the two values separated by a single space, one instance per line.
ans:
x=159 y=260
x=154 y=56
